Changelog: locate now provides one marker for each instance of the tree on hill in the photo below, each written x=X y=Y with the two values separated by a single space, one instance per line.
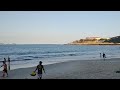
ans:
x=114 y=40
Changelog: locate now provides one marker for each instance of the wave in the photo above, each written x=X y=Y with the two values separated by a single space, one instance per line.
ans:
x=54 y=55
x=27 y=53
x=26 y=58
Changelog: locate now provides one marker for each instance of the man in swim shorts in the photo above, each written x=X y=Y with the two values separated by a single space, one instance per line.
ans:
x=40 y=68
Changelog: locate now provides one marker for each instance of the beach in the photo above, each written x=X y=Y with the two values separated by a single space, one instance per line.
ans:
x=80 y=69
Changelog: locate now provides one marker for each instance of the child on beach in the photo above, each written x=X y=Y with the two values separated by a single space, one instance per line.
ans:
x=40 y=68
x=4 y=69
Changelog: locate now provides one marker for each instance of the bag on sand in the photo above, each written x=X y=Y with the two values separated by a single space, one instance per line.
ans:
x=33 y=73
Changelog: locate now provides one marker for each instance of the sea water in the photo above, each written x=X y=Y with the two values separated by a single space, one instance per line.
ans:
x=29 y=55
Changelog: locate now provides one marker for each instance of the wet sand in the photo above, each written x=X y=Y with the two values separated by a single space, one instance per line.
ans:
x=80 y=69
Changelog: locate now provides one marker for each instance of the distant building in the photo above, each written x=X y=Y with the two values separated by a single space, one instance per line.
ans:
x=97 y=38
x=105 y=38
x=98 y=41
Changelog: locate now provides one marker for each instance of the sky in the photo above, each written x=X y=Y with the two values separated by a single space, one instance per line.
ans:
x=56 y=27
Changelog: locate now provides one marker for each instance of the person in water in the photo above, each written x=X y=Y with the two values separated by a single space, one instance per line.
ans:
x=4 y=69
x=40 y=69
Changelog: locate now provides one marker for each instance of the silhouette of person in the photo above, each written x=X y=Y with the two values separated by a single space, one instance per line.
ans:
x=100 y=55
x=104 y=56
x=4 y=69
x=5 y=60
x=9 y=63
x=40 y=68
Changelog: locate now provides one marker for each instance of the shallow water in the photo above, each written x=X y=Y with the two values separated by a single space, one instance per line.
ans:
x=30 y=54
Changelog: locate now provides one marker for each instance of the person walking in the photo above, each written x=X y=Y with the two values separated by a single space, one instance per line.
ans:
x=40 y=69
x=4 y=69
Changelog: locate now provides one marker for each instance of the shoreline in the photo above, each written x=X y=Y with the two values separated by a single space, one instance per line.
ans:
x=93 y=59
x=78 y=69
x=93 y=44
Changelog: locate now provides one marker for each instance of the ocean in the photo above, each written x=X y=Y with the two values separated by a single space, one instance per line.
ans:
x=29 y=55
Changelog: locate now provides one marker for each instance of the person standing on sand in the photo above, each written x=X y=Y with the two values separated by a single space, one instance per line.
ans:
x=5 y=60
x=4 y=69
x=9 y=63
x=100 y=55
x=104 y=56
x=40 y=68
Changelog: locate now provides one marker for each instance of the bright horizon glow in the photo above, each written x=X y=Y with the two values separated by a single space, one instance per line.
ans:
x=56 y=27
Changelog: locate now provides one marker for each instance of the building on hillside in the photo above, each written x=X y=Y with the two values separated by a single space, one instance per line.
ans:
x=97 y=38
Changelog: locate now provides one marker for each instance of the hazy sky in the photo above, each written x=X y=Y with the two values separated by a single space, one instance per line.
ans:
x=56 y=27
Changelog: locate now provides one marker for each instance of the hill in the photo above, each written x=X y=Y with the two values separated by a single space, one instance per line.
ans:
x=98 y=41
x=113 y=40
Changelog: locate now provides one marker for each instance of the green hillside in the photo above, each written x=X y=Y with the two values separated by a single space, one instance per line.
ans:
x=113 y=40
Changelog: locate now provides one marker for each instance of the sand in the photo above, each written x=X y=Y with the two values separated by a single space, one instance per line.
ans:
x=80 y=69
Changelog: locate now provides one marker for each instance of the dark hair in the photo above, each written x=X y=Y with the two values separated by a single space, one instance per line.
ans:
x=40 y=62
